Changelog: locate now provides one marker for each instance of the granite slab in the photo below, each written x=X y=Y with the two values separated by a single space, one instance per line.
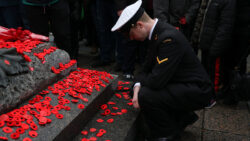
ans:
x=222 y=118
x=223 y=136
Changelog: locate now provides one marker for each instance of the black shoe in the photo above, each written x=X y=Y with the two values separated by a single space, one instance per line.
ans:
x=99 y=64
x=117 y=67
x=189 y=119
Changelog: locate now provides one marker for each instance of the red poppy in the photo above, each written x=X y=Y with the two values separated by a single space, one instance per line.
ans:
x=27 y=58
x=67 y=108
x=119 y=88
x=126 y=88
x=111 y=103
x=84 y=132
x=118 y=95
x=124 y=110
x=4 y=117
x=84 y=139
x=27 y=139
x=33 y=134
x=59 y=116
x=130 y=103
x=110 y=120
x=115 y=108
x=93 y=139
x=99 y=134
x=33 y=126
x=25 y=126
x=80 y=106
x=2 y=123
x=126 y=97
x=3 y=138
x=6 y=62
x=7 y=129
x=20 y=130
x=29 y=121
x=119 y=113
x=99 y=120
x=102 y=131
x=43 y=119
x=14 y=135
x=92 y=129
x=107 y=111
x=74 y=100
x=104 y=106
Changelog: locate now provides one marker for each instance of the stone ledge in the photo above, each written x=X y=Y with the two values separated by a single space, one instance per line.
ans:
x=26 y=85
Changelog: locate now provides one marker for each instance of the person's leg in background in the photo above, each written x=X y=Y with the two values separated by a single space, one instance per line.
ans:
x=104 y=22
x=75 y=15
x=60 y=25
x=11 y=16
x=38 y=19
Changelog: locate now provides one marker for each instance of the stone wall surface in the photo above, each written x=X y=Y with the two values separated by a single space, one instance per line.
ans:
x=26 y=85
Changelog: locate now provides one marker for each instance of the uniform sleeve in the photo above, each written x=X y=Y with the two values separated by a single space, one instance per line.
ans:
x=225 y=29
x=169 y=57
x=161 y=9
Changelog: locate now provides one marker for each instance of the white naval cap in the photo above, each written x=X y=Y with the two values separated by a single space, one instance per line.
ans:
x=129 y=16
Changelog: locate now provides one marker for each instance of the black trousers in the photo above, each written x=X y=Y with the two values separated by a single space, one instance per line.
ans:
x=57 y=16
x=164 y=109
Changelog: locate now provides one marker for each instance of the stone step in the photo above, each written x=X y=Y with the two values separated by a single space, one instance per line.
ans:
x=66 y=128
x=123 y=127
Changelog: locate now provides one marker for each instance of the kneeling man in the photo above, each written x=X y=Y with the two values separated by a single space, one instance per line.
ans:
x=173 y=83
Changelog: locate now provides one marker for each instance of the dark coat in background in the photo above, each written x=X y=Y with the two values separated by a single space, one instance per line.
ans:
x=241 y=35
x=217 y=27
x=4 y=3
x=171 y=11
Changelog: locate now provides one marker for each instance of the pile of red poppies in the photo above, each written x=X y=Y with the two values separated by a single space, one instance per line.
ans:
x=30 y=117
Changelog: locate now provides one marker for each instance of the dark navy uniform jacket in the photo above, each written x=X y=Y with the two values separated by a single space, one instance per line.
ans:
x=172 y=67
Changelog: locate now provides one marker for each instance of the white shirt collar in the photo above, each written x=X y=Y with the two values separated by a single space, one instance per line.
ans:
x=152 y=29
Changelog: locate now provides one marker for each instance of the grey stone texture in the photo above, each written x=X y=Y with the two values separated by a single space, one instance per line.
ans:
x=26 y=85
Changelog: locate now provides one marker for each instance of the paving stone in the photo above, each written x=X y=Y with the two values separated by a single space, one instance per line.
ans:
x=191 y=134
x=222 y=136
x=228 y=119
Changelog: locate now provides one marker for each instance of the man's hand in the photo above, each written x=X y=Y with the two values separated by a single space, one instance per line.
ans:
x=135 y=97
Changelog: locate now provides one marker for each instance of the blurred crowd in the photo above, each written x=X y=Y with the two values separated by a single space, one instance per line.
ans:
x=220 y=29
